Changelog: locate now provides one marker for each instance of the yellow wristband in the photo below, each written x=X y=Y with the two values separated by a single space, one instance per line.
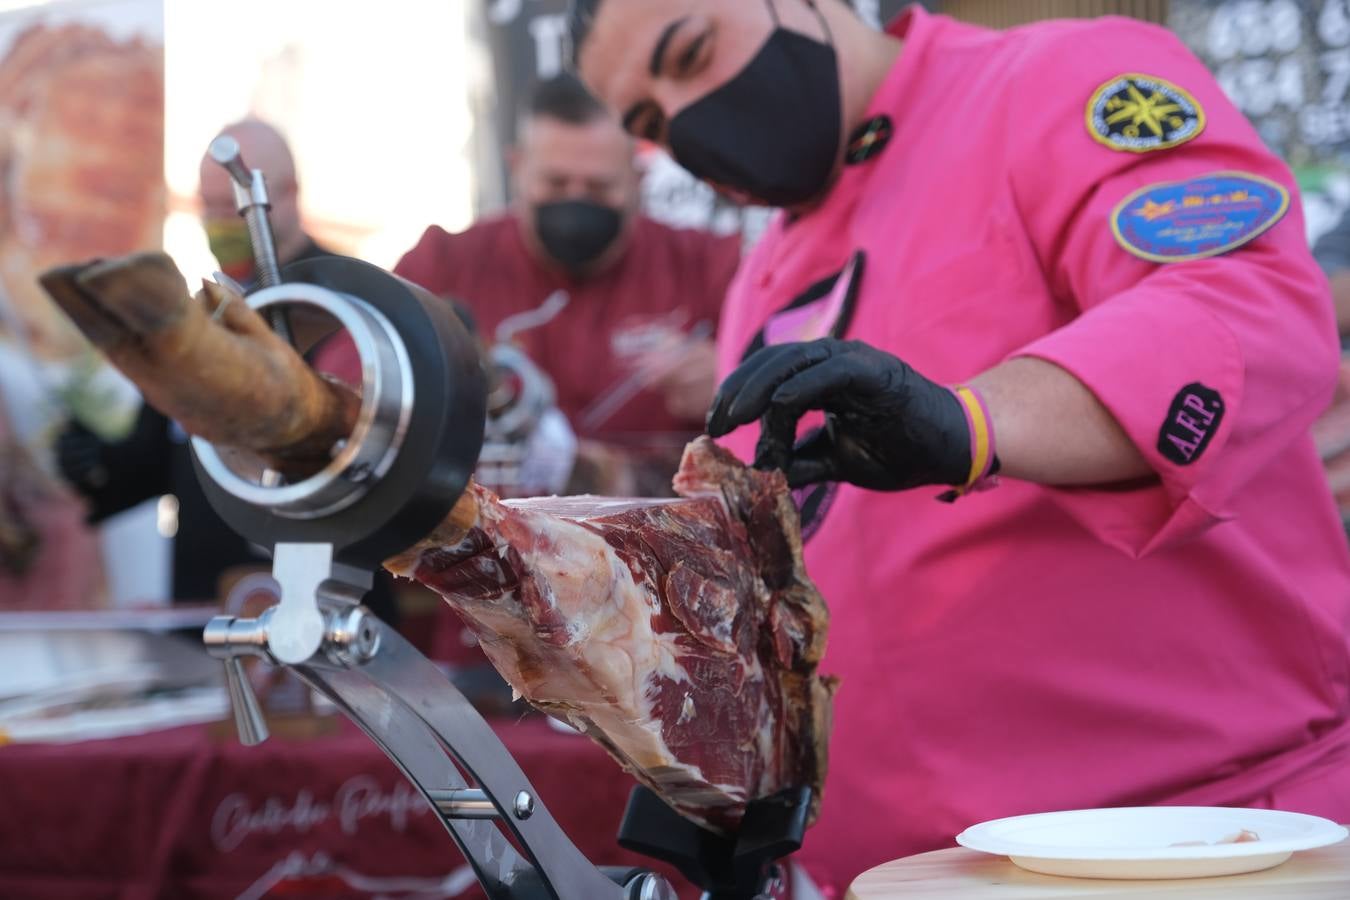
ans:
x=982 y=451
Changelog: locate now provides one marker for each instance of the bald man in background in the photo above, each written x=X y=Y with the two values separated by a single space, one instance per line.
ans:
x=154 y=460
x=263 y=147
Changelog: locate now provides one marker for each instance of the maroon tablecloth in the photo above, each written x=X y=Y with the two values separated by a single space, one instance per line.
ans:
x=182 y=814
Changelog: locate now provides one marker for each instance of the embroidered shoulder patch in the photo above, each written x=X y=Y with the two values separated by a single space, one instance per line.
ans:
x=1198 y=218
x=869 y=139
x=1140 y=113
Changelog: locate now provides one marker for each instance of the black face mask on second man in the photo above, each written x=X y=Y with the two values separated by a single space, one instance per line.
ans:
x=575 y=233
x=774 y=129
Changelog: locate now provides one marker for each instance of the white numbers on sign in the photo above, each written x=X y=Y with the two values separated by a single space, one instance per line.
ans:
x=1285 y=25
x=1322 y=125
x=505 y=12
x=1254 y=28
x=1335 y=75
x=1259 y=86
x=1286 y=65
x=1289 y=83
x=502 y=12
x=1224 y=38
x=549 y=33
x=869 y=11
x=1333 y=23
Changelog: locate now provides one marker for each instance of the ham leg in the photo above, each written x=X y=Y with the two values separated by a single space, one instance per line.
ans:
x=682 y=635
x=211 y=363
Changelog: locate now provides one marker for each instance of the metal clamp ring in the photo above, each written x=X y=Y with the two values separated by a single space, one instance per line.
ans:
x=386 y=407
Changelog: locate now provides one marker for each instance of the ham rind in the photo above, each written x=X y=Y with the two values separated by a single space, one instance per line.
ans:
x=682 y=635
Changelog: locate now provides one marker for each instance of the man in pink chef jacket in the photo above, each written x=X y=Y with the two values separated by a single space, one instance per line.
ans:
x=1054 y=299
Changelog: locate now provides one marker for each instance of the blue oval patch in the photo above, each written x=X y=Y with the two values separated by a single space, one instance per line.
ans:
x=1198 y=218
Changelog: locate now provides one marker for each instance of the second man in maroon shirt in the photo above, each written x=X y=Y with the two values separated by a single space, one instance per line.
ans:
x=619 y=310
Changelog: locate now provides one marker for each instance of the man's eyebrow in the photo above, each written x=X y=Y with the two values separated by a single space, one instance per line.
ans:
x=662 y=44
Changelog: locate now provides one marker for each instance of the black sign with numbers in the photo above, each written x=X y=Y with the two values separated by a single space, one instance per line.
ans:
x=1285 y=63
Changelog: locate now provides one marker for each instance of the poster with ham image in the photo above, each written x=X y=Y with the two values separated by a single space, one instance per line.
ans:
x=81 y=146
x=81 y=176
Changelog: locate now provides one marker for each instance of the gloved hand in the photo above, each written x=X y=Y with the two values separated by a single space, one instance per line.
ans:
x=887 y=428
x=79 y=455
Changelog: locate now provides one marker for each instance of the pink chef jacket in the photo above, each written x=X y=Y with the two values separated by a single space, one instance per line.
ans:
x=1029 y=648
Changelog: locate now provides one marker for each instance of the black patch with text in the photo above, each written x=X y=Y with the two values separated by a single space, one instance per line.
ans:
x=1195 y=416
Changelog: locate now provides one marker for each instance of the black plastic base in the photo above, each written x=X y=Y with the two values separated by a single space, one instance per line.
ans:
x=440 y=448
x=726 y=868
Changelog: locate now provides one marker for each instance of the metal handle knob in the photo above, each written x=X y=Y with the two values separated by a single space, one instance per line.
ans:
x=248 y=716
x=225 y=151
x=650 y=886
x=226 y=638
x=250 y=196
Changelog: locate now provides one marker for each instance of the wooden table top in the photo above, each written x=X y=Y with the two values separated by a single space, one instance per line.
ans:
x=1322 y=874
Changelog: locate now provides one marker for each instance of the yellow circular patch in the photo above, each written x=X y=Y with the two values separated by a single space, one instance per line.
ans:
x=1142 y=113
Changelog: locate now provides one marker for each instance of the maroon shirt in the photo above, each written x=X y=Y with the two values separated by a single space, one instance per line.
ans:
x=668 y=282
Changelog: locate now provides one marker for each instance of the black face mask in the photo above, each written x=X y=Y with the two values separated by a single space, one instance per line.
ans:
x=773 y=131
x=576 y=232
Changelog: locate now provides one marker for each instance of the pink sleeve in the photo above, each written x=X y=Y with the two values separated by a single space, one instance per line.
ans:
x=1212 y=366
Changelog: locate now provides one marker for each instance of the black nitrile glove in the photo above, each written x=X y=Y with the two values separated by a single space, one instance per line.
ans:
x=79 y=455
x=887 y=428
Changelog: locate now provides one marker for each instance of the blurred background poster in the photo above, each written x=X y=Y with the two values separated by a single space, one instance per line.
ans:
x=82 y=156
x=82 y=151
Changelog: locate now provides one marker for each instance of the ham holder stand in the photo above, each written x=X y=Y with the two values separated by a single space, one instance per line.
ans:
x=415 y=445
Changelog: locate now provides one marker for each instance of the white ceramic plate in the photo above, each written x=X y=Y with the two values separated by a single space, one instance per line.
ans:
x=560 y=725
x=1138 y=842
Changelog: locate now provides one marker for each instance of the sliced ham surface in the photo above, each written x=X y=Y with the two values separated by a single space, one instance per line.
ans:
x=682 y=635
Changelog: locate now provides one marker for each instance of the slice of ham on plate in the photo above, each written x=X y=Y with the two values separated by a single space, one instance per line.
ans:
x=1152 y=842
